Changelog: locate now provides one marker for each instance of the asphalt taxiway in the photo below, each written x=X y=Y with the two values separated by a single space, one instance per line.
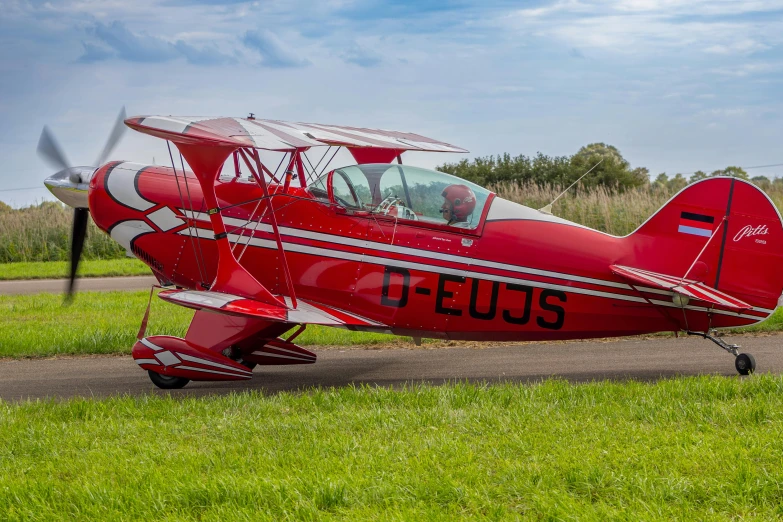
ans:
x=640 y=359
x=84 y=284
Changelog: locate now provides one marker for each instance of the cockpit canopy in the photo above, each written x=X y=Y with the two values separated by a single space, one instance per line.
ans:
x=404 y=192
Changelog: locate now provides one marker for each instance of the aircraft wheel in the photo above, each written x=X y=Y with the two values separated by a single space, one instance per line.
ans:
x=166 y=382
x=745 y=363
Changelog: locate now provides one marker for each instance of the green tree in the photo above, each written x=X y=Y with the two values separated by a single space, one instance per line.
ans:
x=609 y=153
x=487 y=170
x=736 y=172
x=698 y=176
x=613 y=170
x=642 y=175
x=677 y=183
x=763 y=182
x=662 y=180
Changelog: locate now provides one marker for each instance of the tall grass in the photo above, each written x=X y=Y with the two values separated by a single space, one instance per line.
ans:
x=43 y=233
x=601 y=208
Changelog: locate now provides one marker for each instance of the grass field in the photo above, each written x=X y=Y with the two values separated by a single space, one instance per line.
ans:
x=701 y=448
x=87 y=268
x=107 y=322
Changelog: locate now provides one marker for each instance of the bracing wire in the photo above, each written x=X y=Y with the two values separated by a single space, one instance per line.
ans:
x=309 y=176
x=548 y=209
x=261 y=217
x=192 y=213
x=328 y=162
x=182 y=202
x=322 y=157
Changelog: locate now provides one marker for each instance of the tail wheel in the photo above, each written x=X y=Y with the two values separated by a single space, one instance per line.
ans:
x=167 y=382
x=745 y=364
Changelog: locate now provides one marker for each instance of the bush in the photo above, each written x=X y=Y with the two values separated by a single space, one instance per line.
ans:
x=610 y=169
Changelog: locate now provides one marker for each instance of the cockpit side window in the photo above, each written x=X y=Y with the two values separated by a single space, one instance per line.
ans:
x=430 y=196
x=351 y=189
x=406 y=192
x=318 y=188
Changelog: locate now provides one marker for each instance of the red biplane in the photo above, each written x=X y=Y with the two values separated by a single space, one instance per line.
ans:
x=386 y=247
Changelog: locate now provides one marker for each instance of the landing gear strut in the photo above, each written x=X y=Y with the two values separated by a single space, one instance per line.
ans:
x=744 y=362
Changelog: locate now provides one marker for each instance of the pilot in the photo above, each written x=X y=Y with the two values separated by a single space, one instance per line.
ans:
x=459 y=201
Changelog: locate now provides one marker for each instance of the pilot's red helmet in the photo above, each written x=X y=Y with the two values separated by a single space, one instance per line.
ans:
x=462 y=200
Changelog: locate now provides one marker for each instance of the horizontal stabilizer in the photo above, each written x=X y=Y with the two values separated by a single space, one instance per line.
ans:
x=692 y=289
x=306 y=312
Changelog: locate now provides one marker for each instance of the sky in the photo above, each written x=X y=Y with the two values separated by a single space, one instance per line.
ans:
x=675 y=85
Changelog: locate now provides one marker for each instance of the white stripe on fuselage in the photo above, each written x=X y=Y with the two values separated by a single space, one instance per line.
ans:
x=365 y=244
x=382 y=247
x=337 y=254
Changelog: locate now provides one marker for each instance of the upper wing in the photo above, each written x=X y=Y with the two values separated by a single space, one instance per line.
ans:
x=306 y=312
x=692 y=289
x=279 y=135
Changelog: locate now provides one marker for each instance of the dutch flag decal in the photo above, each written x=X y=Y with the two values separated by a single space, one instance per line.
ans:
x=696 y=224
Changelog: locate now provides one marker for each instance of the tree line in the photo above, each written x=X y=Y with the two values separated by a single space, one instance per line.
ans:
x=610 y=170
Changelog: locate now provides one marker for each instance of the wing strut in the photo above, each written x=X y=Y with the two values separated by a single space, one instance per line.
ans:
x=289 y=172
x=231 y=277
x=261 y=181
x=301 y=170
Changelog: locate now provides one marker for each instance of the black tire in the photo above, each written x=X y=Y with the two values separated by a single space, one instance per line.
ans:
x=166 y=382
x=745 y=364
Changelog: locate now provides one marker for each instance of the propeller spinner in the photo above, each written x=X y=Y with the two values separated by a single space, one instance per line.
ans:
x=70 y=185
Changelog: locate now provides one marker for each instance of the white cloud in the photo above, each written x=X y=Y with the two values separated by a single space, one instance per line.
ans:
x=696 y=7
x=647 y=26
x=746 y=69
x=727 y=112
x=744 y=46
x=651 y=77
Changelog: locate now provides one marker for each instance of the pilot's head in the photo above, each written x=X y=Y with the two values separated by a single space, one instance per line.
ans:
x=458 y=203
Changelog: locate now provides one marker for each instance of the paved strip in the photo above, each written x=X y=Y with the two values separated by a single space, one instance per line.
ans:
x=639 y=359
x=84 y=284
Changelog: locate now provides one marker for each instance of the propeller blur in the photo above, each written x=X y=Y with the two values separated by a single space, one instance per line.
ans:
x=70 y=185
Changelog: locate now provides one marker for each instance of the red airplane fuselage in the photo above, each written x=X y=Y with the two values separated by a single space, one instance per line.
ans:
x=520 y=275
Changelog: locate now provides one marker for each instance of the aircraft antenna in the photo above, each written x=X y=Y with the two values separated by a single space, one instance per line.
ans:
x=548 y=209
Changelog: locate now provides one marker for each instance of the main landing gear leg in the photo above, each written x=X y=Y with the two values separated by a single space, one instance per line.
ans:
x=744 y=362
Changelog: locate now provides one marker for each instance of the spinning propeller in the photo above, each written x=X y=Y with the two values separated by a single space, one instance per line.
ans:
x=70 y=186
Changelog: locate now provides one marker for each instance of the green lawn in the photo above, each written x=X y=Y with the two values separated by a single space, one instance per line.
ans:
x=698 y=448
x=107 y=322
x=87 y=268
x=773 y=324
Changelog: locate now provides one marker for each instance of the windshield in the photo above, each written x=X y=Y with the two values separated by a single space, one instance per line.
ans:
x=407 y=192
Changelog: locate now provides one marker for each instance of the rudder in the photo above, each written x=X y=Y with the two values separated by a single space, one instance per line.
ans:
x=739 y=225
